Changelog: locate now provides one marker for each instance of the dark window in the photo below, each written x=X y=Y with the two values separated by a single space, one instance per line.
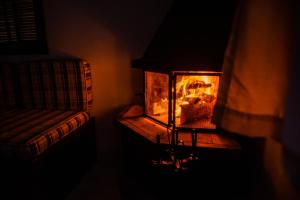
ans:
x=22 y=27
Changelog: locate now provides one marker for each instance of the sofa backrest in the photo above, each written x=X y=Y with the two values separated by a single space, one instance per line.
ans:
x=50 y=84
x=7 y=87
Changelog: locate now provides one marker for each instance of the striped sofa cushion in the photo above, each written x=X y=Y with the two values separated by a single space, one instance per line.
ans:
x=52 y=84
x=28 y=132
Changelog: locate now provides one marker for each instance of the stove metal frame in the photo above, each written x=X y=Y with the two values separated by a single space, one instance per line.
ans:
x=172 y=76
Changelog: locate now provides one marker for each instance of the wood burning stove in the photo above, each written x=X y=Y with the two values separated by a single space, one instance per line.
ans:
x=182 y=68
x=182 y=64
x=181 y=100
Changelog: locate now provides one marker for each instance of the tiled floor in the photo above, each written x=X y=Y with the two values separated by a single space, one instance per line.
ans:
x=100 y=182
x=106 y=182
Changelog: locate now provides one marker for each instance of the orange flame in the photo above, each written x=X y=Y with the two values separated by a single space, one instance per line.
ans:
x=195 y=90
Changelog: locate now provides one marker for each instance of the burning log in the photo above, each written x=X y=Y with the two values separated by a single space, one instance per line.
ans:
x=192 y=100
x=192 y=86
x=196 y=108
x=194 y=112
x=204 y=98
x=208 y=98
x=195 y=84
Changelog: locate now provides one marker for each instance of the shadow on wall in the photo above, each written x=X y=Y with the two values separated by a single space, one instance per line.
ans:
x=292 y=166
x=271 y=172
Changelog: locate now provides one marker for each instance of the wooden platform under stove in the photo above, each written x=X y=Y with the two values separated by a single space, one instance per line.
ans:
x=149 y=130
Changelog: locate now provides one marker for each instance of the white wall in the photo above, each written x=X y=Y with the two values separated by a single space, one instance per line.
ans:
x=108 y=34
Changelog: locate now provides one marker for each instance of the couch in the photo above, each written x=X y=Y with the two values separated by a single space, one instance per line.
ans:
x=45 y=125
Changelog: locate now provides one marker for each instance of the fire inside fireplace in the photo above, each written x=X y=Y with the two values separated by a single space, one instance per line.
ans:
x=181 y=99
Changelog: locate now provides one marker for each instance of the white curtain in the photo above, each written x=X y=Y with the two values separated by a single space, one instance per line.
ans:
x=257 y=62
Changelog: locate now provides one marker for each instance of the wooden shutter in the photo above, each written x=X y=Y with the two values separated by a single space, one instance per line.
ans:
x=21 y=27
